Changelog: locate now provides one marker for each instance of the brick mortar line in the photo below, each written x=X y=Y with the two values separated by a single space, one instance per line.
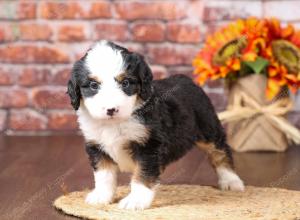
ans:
x=53 y=45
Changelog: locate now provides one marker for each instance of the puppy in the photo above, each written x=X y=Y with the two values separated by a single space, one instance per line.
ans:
x=134 y=124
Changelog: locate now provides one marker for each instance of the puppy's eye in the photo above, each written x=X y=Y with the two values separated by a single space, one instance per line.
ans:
x=94 y=85
x=125 y=83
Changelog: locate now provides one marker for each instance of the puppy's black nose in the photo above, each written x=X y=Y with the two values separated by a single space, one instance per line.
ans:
x=111 y=111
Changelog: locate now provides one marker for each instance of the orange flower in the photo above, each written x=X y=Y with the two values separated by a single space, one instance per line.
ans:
x=295 y=38
x=225 y=51
x=251 y=30
x=278 y=74
x=273 y=88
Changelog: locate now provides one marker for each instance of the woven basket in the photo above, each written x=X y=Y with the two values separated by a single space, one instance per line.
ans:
x=258 y=132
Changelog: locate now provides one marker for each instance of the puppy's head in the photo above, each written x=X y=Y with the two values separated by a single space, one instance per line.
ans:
x=110 y=82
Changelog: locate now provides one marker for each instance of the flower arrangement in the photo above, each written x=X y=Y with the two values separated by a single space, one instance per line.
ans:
x=252 y=46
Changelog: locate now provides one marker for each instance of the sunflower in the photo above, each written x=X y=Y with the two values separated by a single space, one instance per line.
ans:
x=224 y=51
x=284 y=55
x=232 y=52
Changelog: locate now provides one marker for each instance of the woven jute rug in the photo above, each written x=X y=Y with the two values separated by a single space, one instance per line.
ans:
x=193 y=202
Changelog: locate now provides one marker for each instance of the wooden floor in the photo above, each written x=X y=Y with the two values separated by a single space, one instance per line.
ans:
x=36 y=170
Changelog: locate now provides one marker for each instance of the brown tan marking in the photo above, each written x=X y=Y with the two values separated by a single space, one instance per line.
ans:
x=139 y=101
x=140 y=178
x=121 y=77
x=106 y=163
x=217 y=157
x=96 y=78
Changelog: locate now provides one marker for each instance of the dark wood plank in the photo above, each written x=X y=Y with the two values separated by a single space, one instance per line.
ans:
x=36 y=170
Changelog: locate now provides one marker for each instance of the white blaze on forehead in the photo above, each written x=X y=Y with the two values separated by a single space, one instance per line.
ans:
x=103 y=61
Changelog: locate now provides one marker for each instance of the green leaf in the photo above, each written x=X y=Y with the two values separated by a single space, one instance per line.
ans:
x=258 y=65
x=245 y=70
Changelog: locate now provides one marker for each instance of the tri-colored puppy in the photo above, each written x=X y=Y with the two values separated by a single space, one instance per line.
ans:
x=132 y=123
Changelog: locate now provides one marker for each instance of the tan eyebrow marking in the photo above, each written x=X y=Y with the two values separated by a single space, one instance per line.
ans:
x=121 y=77
x=96 y=78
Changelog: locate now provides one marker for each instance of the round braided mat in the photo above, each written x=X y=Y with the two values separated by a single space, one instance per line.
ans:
x=193 y=202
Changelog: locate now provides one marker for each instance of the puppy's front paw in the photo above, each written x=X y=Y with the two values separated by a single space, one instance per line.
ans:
x=140 y=197
x=134 y=202
x=233 y=184
x=98 y=197
x=229 y=180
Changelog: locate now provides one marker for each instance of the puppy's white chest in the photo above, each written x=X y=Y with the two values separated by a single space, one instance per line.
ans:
x=114 y=141
x=114 y=137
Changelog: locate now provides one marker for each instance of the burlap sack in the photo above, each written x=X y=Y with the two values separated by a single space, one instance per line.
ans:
x=257 y=132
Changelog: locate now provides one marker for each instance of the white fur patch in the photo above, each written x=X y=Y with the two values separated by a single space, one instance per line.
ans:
x=104 y=64
x=139 y=198
x=113 y=136
x=103 y=61
x=105 y=187
x=228 y=180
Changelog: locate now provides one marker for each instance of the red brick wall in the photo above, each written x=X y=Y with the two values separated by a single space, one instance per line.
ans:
x=39 y=41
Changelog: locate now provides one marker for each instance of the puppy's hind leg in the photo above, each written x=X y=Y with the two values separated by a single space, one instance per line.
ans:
x=221 y=160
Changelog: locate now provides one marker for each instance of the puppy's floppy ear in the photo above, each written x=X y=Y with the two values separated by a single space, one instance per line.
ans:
x=74 y=90
x=144 y=73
